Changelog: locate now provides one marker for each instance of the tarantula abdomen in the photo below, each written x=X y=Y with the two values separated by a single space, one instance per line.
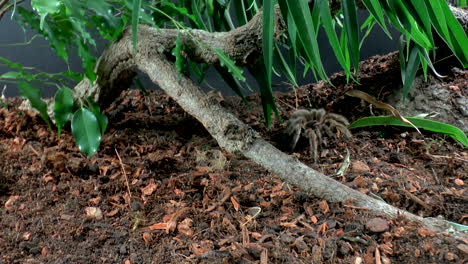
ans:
x=313 y=125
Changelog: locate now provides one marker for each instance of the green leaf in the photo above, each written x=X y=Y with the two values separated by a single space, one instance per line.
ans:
x=328 y=25
x=86 y=132
x=376 y=10
x=135 y=18
x=422 y=123
x=306 y=31
x=230 y=65
x=267 y=33
x=352 y=27
x=176 y=52
x=102 y=118
x=11 y=75
x=410 y=71
x=63 y=107
x=45 y=7
x=33 y=94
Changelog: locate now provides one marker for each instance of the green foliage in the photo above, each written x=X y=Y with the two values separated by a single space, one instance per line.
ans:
x=74 y=26
x=33 y=94
x=421 y=123
x=63 y=107
x=86 y=131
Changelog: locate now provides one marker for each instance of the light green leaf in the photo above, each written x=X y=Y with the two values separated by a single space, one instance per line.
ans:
x=63 y=107
x=33 y=94
x=176 y=52
x=45 y=7
x=86 y=132
x=230 y=65
x=425 y=124
x=352 y=29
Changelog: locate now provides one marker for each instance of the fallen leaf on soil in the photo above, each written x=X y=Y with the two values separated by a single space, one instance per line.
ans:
x=93 y=212
x=26 y=236
x=323 y=228
x=235 y=203
x=113 y=212
x=146 y=238
x=459 y=182
x=324 y=206
x=158 y=226
x=150 y=188
x=314 y=219
x=95 y=200
x=47 y=178
x=184 y=227
x=377 y=225
x=426 y=232
x=45 y=252
x=127 y=261
x=11 y=200
x=359 y=167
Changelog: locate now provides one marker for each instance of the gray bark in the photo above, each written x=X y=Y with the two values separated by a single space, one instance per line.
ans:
x=117 y=67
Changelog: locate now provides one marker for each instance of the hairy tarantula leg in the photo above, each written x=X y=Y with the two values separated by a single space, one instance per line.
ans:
x=295 y=138
x=338 y=118
x=310 y=134
x=333 y=124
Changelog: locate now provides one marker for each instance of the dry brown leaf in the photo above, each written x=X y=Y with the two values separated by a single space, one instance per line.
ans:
x=11 y=200
x=93 y=212
x=314 y=219
x=185 y=227
x=147 y=238
x=235 y=203
x=158 y=226
x=370 y=99
x=150 y=188
x=459 y=182
x=323 y=228
x=113 y=212
x=324 y=206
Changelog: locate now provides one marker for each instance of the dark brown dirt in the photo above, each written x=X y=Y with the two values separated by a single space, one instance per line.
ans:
x=175 y=197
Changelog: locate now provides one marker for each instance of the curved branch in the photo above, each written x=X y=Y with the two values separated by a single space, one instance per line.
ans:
x=117 y=67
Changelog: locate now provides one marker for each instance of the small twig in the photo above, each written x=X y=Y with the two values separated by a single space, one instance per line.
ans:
x=33 y=150
x=417 y=200
x=3 y=11
x=125 y=174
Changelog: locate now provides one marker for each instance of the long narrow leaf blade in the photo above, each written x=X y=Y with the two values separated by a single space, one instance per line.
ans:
x=135 y=18
x=422 y=123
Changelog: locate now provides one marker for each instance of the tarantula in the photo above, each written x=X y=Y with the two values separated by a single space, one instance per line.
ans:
x=312 y=125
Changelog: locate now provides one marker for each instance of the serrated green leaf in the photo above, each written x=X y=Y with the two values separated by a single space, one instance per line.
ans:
x=230 y=65
x=86 y=132
x=176 y=52
x=421 y=123
x=63 y=107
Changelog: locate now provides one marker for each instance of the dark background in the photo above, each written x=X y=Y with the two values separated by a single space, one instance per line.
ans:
x=41 y=57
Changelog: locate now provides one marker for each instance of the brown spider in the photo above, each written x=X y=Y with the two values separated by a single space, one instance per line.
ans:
x=312 y=125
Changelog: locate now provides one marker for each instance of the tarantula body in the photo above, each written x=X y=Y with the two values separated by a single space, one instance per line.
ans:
x=313 y=125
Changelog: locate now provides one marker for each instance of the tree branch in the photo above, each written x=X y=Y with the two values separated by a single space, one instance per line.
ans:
x=117 y=67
